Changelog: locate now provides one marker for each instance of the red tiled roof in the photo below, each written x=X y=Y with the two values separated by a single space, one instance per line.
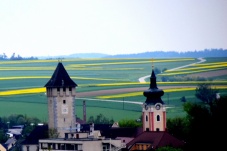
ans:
x=156 y=139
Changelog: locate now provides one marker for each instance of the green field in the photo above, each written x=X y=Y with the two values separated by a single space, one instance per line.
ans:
x=101 y=74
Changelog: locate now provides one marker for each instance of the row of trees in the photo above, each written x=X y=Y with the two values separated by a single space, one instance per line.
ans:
x=184 y=78
x=203 y=125
x=16 y=57
x=179 y=78
x=12 y=120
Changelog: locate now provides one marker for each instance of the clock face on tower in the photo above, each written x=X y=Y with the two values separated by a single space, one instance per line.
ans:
x=157 y=106
x=146 y=107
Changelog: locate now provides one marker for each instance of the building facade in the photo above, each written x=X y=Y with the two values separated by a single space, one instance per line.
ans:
x=154 y=110
x=61 y=92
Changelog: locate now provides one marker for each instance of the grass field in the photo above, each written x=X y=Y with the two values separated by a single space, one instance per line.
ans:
x=22 y=83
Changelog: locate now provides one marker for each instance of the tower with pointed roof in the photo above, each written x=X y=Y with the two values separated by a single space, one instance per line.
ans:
x=154 y=110
x=61 y=92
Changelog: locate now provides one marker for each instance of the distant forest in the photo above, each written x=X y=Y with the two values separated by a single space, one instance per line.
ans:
x=154 y=54
x=174 y=54
x=15 y=57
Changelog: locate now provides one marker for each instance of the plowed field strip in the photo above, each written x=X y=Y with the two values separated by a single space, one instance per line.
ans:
x=123 y=90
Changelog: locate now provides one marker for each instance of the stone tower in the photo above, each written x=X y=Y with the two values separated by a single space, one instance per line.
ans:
x=61 y=92
x=154 y=110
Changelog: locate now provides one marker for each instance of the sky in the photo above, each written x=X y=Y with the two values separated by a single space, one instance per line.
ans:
x=63 y=27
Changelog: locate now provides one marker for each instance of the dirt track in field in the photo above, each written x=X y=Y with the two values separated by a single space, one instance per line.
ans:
x=122 y=90
x=142 y=79
x=211 y=74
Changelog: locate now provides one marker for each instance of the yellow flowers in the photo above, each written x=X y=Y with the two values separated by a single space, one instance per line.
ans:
x=24 y=77
x=23 y=91
x=196 y=68
x=132 y=94
x=48 y=77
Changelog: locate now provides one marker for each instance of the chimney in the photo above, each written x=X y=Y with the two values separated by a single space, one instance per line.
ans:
x=84 y=111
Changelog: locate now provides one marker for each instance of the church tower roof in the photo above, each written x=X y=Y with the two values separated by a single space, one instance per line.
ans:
x=60 y=78
x=153 y=94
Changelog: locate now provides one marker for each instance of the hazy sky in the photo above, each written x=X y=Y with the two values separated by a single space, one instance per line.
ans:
x=61 y=27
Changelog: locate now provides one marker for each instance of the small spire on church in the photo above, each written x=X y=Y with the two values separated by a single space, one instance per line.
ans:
x=59 y=60
x=152 y=63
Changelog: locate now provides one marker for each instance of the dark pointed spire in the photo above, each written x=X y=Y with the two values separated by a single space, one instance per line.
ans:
x=60 y=78
x=153 y=84
x=153 y=94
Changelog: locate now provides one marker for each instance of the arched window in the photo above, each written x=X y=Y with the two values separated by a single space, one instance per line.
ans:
x=158 y=117
x=146 y=118
x=64 y=101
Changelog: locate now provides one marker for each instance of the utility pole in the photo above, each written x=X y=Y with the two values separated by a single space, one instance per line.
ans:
x=123 y=104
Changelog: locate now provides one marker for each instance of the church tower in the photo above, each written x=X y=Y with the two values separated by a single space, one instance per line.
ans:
x=61 y=92
x=154 y=110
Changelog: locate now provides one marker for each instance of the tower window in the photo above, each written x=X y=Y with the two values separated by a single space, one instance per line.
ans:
x=58 y=89
x=158 y=118
x=27 y=148
x=64 y=101
x=146 y=118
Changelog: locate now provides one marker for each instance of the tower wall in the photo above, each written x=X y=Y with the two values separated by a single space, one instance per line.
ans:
x=61 y=111
x=153 y=119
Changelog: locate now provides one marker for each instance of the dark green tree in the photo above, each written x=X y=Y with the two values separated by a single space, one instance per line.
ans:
x=168 y=148
x=206 y=93
x=183 y=99
x=53 y=133
x=129 y=123
x=100 y=119
x=205 y=124
x=164 y=79
x=3 y=137
x=157 y=70
x=199 y=120
x=178 y=127
x=218 y=122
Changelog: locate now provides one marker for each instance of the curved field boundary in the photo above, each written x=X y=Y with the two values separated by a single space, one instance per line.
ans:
x=142 y=79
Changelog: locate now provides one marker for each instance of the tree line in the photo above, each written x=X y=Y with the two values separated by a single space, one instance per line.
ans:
x=214 y=52
x=16 y=57
x=16 y=119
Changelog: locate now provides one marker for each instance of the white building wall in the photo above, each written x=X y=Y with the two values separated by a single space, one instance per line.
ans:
x=61 y=110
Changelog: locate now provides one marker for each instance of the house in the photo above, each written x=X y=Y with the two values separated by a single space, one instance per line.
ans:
x=15 y=131
x=2 y=147
x=80 y=141
x=10 y=143
x=151 y=140
x=125 y=134
x=87 y=140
